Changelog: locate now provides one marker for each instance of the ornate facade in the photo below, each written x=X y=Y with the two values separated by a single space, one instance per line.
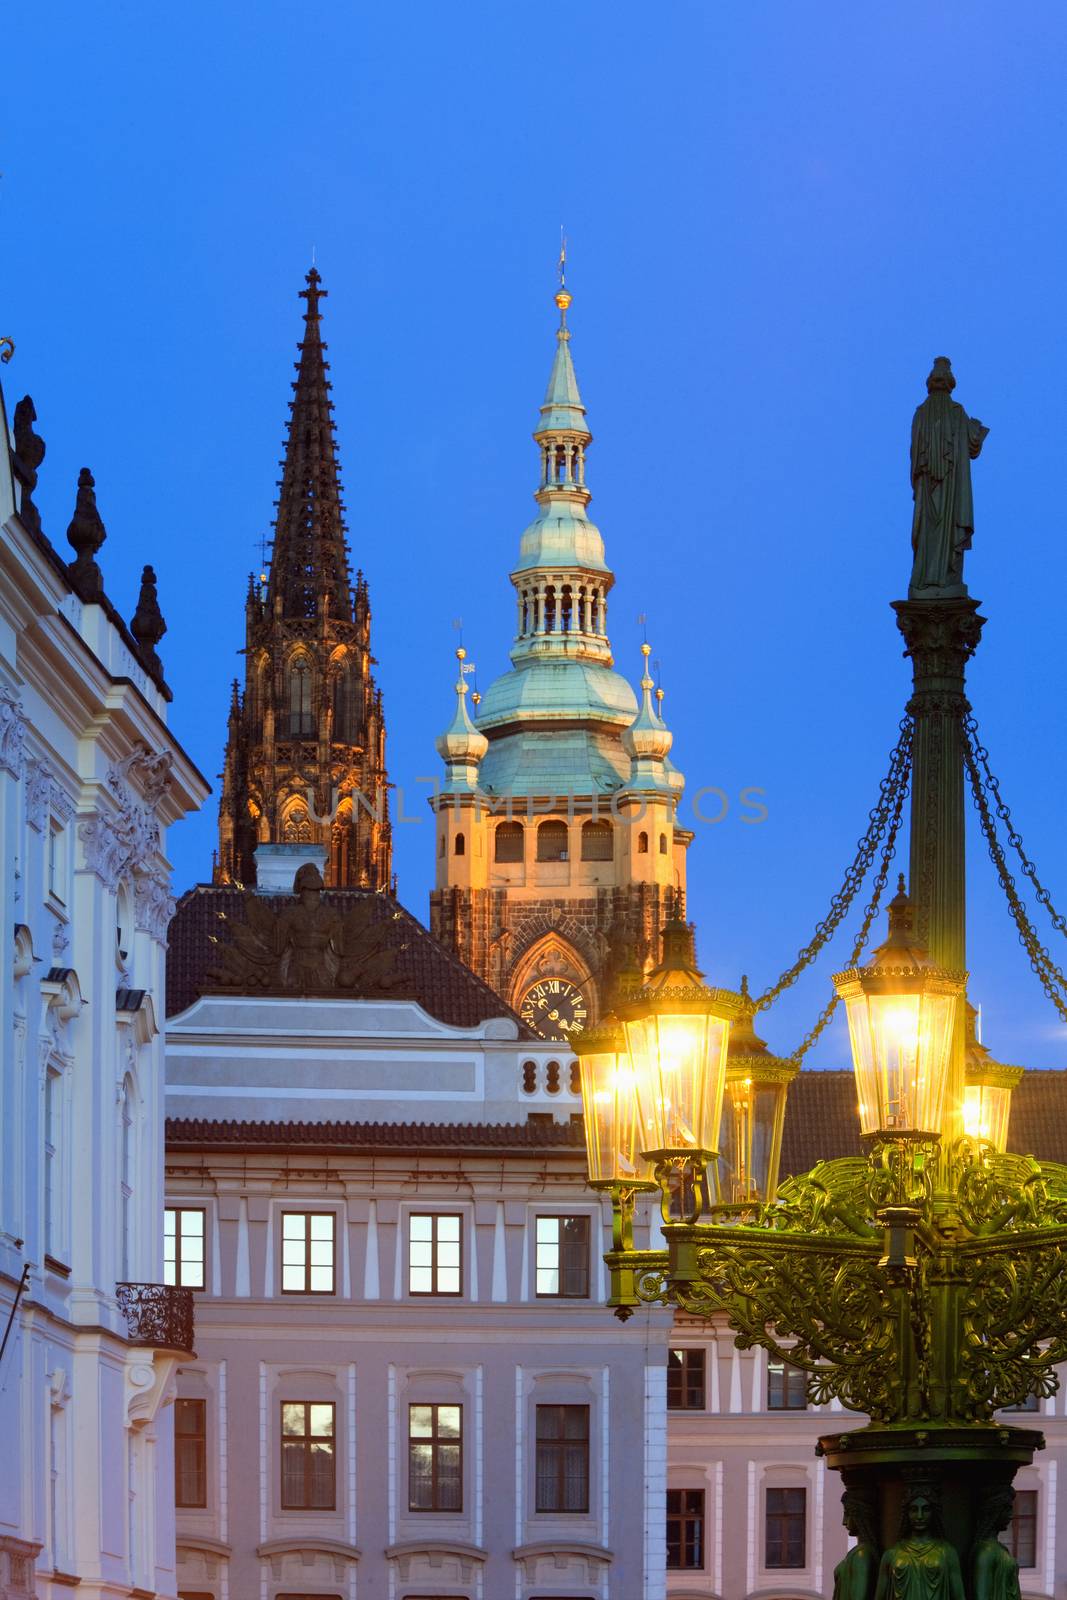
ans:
x=558 y=845
x=305 y=749
x=90 y=780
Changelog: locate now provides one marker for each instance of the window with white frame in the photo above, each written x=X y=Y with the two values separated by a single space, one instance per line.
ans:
x=562 y=1268
x=126 y=1177
x=53 y=1175
x=435 y=1253
x=56 y=861
x=308 y=1264
x=183 y=1246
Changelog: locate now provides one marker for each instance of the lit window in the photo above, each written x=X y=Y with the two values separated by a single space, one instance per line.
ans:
x=563 y=1257
x=562 y=1458
x=190 y=1452
x=461 y=845
x=435 y=1253
x=787 y=1387
x=663 y=844
x=786 y=1529
x=685 y=1380
x=435 y=1458
x=308 y=1467
x=685 y=1529
x=183 y=1247
x=642 y=843
x=307 y=1252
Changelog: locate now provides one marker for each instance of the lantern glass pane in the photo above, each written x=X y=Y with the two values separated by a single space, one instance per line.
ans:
x=679 y=1062
x=986 y=1108
x=749 y=1140
x=611 y=1137
x=900 y=1049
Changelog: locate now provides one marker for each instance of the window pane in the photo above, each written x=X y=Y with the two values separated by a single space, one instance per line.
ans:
x=293 y=1252
x=421 y=1280
x=448 y=1228
x=322 y=1227
x=420 y=1421
x=292 y=1418
x=169 y=1224
x=448 y=1280
x=421 y=1253
x=293 y=1226
x=547 y=1230
x=448 y=1421
x=547 y=1280
x=322 y=1280
x=420 y=1227
x=321 y=1420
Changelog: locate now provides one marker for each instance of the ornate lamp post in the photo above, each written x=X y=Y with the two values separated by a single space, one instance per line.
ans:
x=926 y=1283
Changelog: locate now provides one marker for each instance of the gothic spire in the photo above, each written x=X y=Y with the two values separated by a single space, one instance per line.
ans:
x=309 y=563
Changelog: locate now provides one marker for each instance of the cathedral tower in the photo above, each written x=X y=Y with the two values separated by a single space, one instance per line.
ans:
x=305 y=751
x=559 y=854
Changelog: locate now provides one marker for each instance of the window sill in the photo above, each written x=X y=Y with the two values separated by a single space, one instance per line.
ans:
x=61 y=1271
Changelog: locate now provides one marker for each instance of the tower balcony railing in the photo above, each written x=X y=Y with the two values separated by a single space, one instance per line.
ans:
x=157 y=1314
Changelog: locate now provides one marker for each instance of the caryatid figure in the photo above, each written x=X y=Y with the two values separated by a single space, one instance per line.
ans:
x=944 y=442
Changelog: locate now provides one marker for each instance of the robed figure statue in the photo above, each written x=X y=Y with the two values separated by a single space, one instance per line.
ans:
x=921 y=1565
x=995 y=1571
x=854 y=1576
x=944 y=442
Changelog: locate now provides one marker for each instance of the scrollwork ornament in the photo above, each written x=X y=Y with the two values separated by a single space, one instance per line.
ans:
x=154 y=905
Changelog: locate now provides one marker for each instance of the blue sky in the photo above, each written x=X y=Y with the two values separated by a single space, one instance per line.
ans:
x=778 y=214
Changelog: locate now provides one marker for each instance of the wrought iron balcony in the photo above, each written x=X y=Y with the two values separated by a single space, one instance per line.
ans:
x=157 y=1314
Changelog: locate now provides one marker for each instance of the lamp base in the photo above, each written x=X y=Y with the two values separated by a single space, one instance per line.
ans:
x=964 y=1473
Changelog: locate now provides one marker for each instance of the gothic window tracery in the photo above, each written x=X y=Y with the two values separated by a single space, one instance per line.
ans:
x=301 y=721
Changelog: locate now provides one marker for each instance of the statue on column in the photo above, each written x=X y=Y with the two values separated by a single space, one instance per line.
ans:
x=854 y=1576
x=922 y=1565
x=944 y=442
x=995 y=1571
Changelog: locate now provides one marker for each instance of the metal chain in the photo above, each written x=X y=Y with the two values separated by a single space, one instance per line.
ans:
x=992 y=787
x=1048 y=974
x=889 y=850
x=890 y=798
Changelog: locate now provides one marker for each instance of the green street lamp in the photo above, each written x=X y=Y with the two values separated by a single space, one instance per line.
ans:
x=753 y=1117
x=924 y=1284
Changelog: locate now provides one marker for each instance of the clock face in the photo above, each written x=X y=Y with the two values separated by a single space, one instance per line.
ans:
x=555 y=1007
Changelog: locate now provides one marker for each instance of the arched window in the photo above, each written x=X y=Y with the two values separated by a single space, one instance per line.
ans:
x=343 y=708
x=508 y=842
x=642 y=843
x=597 y=842
x=444 y=846
x=126 y=1179
x=296 y=828
x=565 y=610
x=552 y=841
x=663 y=844
x=460 y=846
x=301 y=722
x=550 y=609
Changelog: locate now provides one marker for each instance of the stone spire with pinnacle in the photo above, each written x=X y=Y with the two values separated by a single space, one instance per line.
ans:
x=305 y=752
x=309 y=563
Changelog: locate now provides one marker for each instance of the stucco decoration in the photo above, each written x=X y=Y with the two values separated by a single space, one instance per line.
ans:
x=153 y=904
x=126 y=838
x=44 y=796
x=308 y=948
x=12 y=731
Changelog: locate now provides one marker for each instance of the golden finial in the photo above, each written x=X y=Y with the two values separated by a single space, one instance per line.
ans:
x=646 y=649
x=461 y=654
x=564 y=297
x=476 y=698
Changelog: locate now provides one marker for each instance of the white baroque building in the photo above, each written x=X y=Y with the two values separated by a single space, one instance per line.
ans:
x=90 y=780
x=406 y=1383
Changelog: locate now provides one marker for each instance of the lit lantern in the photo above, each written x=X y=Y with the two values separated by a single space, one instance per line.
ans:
x=677 y=1030
x=609 y=1104
x=987 y=1095
x=901 y=1014
x=750 y=1134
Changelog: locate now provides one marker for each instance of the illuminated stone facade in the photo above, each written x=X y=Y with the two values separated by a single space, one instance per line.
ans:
x=305 y=750
x=558 y=846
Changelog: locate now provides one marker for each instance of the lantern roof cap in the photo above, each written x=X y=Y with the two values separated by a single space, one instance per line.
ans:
x=677 y=983
x=982 y=1067
x=901 y=957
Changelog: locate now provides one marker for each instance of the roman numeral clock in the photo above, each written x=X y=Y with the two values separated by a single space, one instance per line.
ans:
x=555 y=1007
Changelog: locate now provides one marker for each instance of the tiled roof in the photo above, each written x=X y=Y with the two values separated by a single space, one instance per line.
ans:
x=406 y=1136
x=821 y=1119
x=428 y=973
